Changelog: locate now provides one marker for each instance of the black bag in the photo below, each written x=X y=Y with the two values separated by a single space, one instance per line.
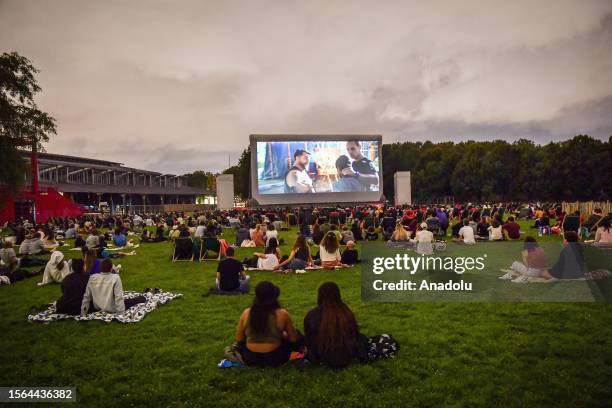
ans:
x=382 y=346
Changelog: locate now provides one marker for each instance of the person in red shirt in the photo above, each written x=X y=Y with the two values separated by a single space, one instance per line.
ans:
x=512 y=231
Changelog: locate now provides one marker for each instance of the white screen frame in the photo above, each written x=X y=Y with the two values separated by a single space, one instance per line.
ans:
x=318 y=198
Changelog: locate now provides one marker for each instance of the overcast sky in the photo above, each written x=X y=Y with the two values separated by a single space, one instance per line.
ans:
x=176 y=86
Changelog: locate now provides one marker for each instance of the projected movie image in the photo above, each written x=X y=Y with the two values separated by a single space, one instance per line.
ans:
x=311 y=167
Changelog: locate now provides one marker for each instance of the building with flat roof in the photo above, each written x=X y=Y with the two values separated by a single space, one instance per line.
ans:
x=93 y=181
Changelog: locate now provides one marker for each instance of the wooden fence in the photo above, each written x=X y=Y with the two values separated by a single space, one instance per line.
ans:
x=586 y=207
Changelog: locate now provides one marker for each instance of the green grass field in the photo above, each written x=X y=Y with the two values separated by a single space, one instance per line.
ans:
x=452 y=354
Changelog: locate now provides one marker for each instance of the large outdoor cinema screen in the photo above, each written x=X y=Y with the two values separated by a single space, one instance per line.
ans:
x=304 y=169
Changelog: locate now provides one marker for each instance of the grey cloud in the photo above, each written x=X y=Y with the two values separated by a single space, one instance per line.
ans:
x=173 y=86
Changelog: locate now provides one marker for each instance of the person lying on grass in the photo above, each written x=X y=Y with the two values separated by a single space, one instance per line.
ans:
x=331 y=334
x=230 y=274
x=265 y=332
x=299 y=257
x=104 y=292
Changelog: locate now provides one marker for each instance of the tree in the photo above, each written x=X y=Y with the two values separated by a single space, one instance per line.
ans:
x=242 y=174
x=22 y=124
x=201 y=179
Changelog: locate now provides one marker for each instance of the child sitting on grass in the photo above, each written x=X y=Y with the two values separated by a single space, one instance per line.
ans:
x=350 y=256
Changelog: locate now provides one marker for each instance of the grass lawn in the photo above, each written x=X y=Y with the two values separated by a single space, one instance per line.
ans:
x=454 y=354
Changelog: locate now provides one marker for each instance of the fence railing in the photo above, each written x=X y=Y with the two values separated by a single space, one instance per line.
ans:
x=587 y=207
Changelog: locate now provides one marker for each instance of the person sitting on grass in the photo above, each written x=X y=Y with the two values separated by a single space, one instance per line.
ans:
x=482 y=229
x=32 y=245
x=119 y=239
x=570 y=264
x=265 y=333
x=242 y=235
x=93 y=240
x=50 y=243
x=329 y=251
x=466 y=233
x=299 y=257
x=56 y=269
x=104 y=292
x=511 y=230
x=347 y=234
x=424 y=240
x=9 y=259
x=91 y=261
x=371 y=234
x=534 y=262
x=400 y=234
x=495 y=231
x=356 y=231
x=592 y=222
x=79 y=242
x=331 y=334
x=73 y=289
x=257 y=236
x=317 y=234
x=270 y=258
x=603 y=235
x=271 y=232
x=350 y=256
x=230 y=274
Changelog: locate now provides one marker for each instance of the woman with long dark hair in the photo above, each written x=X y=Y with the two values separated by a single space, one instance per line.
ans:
x=331 y=333
x=265 y=333
x=299 y=257
x=329 y=251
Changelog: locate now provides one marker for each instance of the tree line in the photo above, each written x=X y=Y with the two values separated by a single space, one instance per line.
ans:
x=576 y=169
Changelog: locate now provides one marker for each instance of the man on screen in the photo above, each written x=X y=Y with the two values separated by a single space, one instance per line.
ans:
x=297 y=179
x=362 y=168
x=346 y=183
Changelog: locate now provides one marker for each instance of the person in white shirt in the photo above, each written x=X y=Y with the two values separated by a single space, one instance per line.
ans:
x=424 y=240
x=329 y=251
x=93 y=240
x=105 y=292
x=8 y=257
x=495 y=231
x=200 y=230
x=269 y=260
x=56 y=269
x=603 y=235
x=466 y=233
x=271 y=233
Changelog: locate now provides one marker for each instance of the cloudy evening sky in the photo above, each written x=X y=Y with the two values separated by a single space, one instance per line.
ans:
x=176 y=86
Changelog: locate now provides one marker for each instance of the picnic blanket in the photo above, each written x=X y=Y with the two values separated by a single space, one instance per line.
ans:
x=593 y=275
x=132 y=315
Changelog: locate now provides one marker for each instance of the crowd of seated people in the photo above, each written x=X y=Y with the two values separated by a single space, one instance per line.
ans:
x=259 y=228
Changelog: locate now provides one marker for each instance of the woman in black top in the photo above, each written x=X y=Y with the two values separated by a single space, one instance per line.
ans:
x=331 y=333
x=73 y=289
x=299 y=257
